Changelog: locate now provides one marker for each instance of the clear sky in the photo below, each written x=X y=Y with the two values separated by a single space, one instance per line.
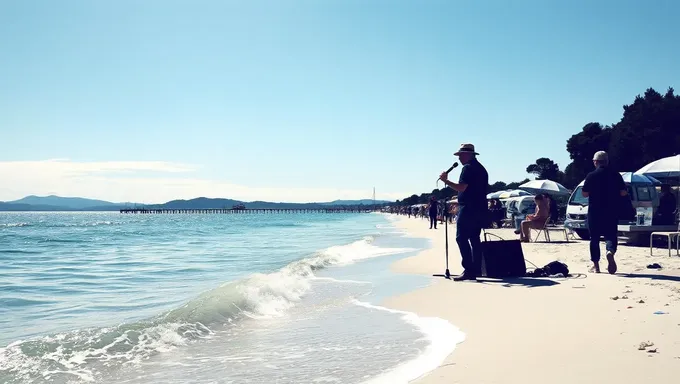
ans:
x=309 y=100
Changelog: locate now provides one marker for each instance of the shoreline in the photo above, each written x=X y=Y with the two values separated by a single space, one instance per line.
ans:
x=583 y=330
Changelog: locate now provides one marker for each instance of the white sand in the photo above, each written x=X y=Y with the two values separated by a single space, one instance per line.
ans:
x=568 y=332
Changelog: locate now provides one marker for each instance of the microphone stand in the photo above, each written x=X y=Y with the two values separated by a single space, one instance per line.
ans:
x=447 y=274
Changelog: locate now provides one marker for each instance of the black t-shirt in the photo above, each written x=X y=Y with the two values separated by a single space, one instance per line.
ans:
x=477 y=179
x=433 y=207
x=667 y=204
x=604 y=188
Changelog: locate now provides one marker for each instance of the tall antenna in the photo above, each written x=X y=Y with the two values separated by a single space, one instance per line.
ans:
x=374 y=198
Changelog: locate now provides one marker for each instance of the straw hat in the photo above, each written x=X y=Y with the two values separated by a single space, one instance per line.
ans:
x=466 y=148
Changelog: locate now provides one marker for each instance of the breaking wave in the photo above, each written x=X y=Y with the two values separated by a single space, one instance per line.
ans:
x=84 y=354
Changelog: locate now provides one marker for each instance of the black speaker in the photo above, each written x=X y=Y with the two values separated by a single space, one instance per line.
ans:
x=502 y=258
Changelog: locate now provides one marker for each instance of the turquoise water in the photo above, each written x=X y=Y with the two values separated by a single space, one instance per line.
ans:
x=285 y=298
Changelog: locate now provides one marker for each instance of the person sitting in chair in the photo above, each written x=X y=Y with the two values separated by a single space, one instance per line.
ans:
x=536 y=220
x=554 y=212
x=665 y=214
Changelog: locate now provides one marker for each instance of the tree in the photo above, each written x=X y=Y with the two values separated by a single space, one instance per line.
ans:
x=447 y=193
x=515 y=185
x=649 y=130
x=497 y=186
x=545 y=169
x=413 y=199
x=581 y=147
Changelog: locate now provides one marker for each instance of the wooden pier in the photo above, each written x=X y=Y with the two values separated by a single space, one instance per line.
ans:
x=243 y=211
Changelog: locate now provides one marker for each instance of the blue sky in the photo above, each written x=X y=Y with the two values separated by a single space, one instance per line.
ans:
x=309 y=100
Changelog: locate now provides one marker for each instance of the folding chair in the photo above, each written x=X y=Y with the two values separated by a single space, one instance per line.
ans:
x=542 y=230
x=547 y=228
x=556 y=228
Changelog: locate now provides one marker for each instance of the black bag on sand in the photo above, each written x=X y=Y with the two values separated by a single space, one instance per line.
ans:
x=550 y=269
x=502 y=258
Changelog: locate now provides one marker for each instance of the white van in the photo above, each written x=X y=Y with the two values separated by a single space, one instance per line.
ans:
x=640 y=189
x=519 y=206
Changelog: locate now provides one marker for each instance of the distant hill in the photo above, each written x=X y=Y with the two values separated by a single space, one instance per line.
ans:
x=197 y=203
x=57 y=203
x=62 y=202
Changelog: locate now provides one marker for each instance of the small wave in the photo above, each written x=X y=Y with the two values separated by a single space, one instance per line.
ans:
x=42 y=224
x=19 y=251
x=83 y=224
x=343 y=281
x=19 y=302
x=62 y=240
x=70 y=354
x=285 y=225
x=98 y=223
x=441 y=335
x=83 y=353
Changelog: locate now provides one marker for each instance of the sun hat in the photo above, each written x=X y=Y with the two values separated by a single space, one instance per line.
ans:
x=466 y=148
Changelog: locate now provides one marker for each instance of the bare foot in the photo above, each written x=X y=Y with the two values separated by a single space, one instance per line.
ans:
x=595 y=268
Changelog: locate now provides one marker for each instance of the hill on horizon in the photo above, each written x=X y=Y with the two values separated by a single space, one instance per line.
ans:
x=57 y=203
x=64 y=202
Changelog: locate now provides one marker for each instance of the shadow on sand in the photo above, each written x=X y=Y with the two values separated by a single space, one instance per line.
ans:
x=651 y=276
x=529 y=282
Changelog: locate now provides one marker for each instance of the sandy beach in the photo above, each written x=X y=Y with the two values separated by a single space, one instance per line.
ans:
x=575 y=330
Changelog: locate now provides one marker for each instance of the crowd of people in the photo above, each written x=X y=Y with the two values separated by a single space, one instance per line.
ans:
x=434 y=211
x=496 y=216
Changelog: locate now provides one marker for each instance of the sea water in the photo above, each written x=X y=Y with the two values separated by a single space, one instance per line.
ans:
x=277 y=298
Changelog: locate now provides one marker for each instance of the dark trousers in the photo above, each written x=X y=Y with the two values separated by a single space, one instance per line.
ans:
x=468 y=230
x=433 y=221
x=602 y=227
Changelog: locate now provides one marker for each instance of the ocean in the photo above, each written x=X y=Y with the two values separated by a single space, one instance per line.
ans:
x=252 y=298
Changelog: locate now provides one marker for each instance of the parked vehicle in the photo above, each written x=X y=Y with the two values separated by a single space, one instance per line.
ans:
x=641 y=191
x=516 y=208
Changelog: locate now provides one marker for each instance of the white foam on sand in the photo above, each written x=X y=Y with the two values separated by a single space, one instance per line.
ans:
x=441 y=335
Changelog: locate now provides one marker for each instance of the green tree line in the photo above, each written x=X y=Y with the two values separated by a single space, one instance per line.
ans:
x=648 y=130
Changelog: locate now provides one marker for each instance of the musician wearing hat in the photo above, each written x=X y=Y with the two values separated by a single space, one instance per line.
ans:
x=472 y=213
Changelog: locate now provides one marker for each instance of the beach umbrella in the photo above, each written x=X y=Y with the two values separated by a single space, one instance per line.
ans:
x=630 y=177
x=515 y=193
x=668 y=167
x=495 y=195
x=545 y=186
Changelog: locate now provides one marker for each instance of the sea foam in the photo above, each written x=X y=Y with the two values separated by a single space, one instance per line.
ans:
x=442 y=337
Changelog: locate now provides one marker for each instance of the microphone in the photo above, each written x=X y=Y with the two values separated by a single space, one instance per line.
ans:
x=452 y=167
